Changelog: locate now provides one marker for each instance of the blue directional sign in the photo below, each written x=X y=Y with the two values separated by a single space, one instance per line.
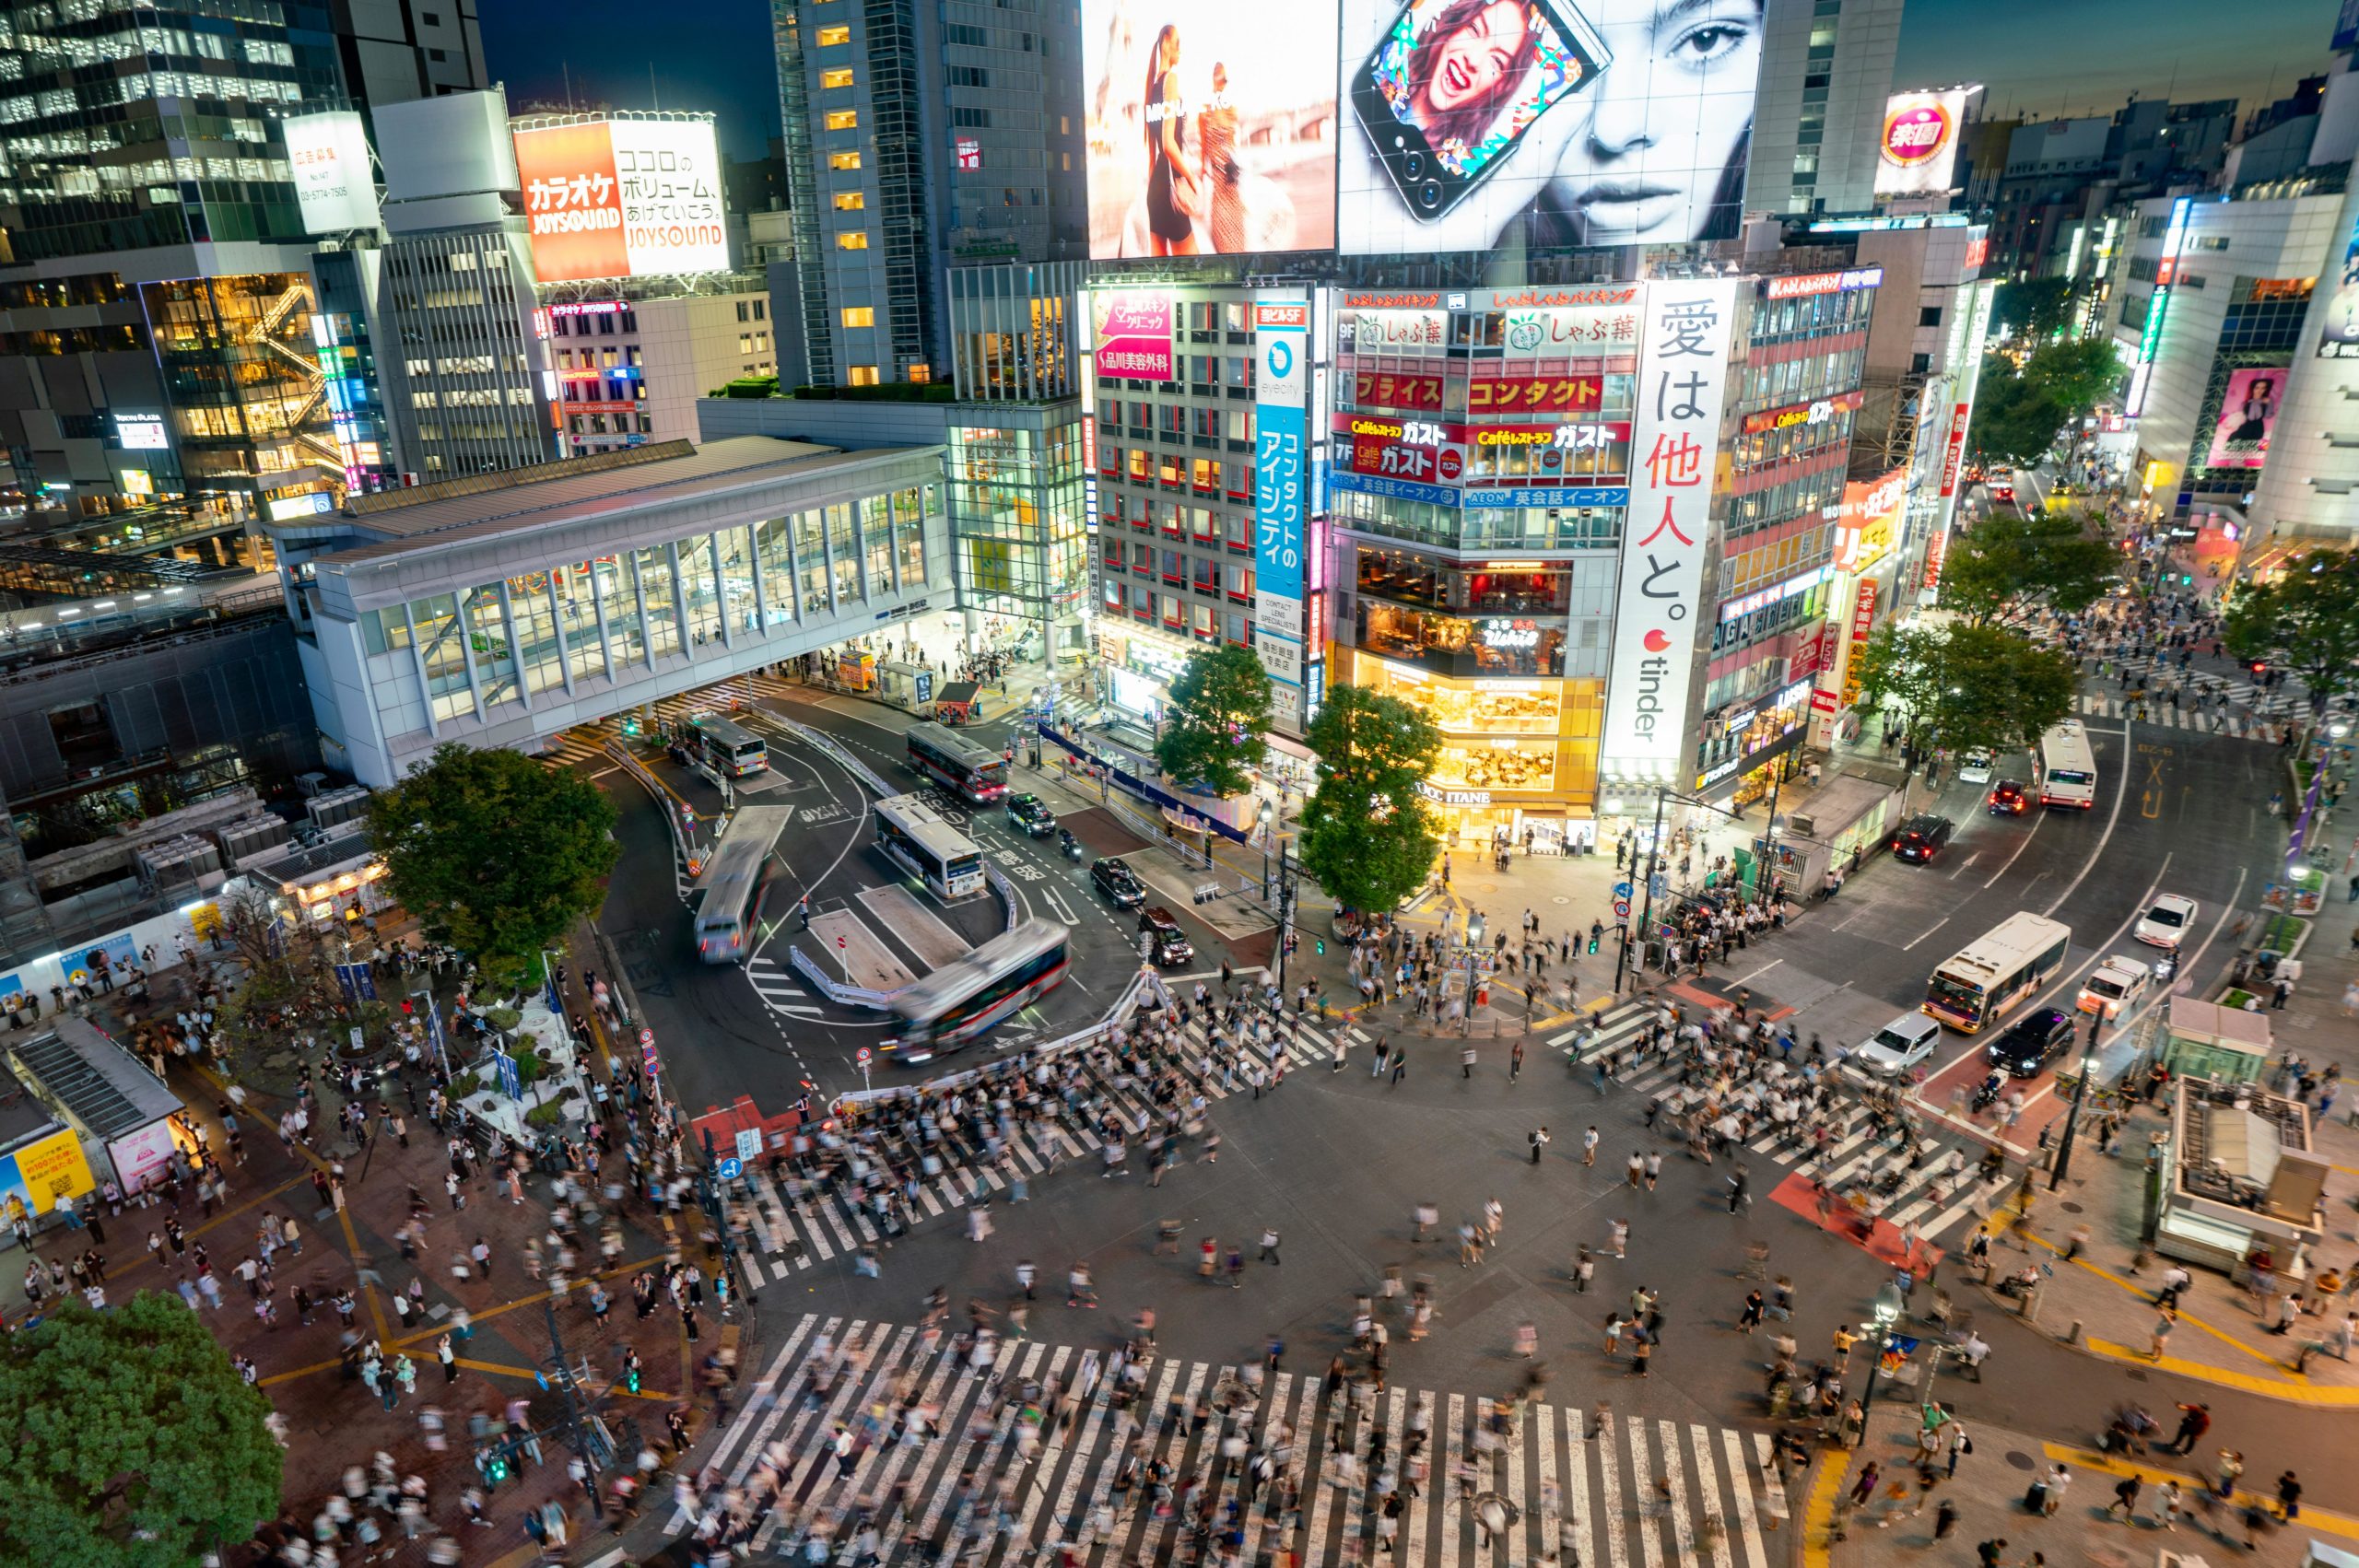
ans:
x=1620 y=890
x=728 y=1168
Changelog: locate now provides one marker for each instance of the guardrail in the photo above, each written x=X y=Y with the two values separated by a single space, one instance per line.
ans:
x=835 y=990
x=834 y=749
x=683 y=840
x=1145 y=981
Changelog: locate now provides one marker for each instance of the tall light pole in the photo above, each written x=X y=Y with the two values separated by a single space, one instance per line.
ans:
x=2073 y=1114
x=1647 y=895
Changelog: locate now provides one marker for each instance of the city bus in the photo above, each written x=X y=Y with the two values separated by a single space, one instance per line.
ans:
x=2068 y=768
x=728 y=747
x=972 y=771
x=960 y=1001
x=911 y=836
x=1997 y=971
x=729 y=890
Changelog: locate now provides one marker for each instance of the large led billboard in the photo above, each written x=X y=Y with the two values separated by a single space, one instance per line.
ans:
x=622 y=198
x=1211 y=126
x=2247 y=417
x=1916 y=154
x=1470 y=123
x=334 y=187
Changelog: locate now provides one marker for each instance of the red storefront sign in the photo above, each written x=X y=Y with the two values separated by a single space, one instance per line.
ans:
x=1956 y=455
x=1817 y=413
x=1824 y=701
x=1534 y=394
x=1863 y=615
x=1380 y=389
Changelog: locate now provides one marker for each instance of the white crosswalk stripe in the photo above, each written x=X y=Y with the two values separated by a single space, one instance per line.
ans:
x=1647 y=1491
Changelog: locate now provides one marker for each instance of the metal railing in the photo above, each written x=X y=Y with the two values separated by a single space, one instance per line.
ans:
x=829 y=746
x=683 y=841
x=1145 y=981
x=835 y=990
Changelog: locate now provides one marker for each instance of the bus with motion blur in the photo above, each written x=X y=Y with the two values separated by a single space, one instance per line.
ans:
x=728 y=747
x=729 y=890
x=2068 y=768
x=974 y=772
x=914 y=837
x=961 y=1001
x=1999 y=971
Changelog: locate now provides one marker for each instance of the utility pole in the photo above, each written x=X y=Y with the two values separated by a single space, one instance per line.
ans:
x=709 y=1199
x=1646 y=903
x=2073 y=1114
x=1290 y=886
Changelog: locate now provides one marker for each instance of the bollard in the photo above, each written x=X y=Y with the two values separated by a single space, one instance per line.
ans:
x=2072 y=1335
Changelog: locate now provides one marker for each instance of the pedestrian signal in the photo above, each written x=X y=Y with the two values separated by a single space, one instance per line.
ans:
x=1592 y=942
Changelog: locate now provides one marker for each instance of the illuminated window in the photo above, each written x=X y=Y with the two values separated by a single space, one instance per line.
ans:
x=843 y=161
x=850 y=201
x=838 y=77
x=860 y=316
x=843 y=119
x=852 y=239
x=830 y=36
x=861 y=375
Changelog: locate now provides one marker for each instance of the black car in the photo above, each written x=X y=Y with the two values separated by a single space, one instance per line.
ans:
x=1118 y=882
x=1029 y=814
x=1922 y=837
x=1166 y=941
x=2033 y=1041
x=2009 y=798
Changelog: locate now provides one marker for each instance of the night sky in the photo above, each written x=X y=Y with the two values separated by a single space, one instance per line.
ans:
x=2039 y=57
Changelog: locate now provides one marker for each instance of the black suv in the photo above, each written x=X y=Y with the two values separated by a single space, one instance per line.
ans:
x=1028 y=812
x=2033 y=1041
x=1166 y=941
x=1118 y=882
x=1922 y=837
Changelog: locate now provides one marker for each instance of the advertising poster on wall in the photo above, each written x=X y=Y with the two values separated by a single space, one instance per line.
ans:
x=2340 y=339
x=38 y=1174
x=335 y=188
x=2247 y=417
x=1212 y=130
x=1281 y=461
x=1674 y=448
x=1917 y=154
x=1133 y=331
x=1472 y=123
x=622 y=198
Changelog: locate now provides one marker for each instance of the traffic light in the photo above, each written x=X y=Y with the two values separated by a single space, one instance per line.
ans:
x=2259 y=667
x=631 y=724
x=1320 y=943
x=631 y=1377
x=1592 y=942
x=495 y=1464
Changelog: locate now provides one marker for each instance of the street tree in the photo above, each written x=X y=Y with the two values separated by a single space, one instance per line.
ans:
x=2307 y=620
x=2036 y=308
x=2006 y=566
x=1367 y=836
x=130 y=1439
x=2020 y=407
x=1212 y=730
x=494 y=853
x=1966 y=686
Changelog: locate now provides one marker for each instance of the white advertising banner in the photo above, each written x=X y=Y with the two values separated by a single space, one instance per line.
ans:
x=1917 y=154
x=1675 y=449
x=334 y=187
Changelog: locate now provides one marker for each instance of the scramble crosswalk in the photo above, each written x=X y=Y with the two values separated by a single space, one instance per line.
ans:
x=1926 y=1195
x=793 y=1232
x=1619 y=1491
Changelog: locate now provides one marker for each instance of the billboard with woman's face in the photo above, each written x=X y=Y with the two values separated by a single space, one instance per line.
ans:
x=2247 y=417
x=1211 y=126
x=1469 y=124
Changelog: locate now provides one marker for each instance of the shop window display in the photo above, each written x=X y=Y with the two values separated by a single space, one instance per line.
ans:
x=1496 y=764
x=1450 y=645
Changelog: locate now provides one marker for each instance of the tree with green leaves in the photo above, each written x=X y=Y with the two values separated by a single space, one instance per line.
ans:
x=2307 y=620
x=1219 y=712
x=2006 y=566
x=1367 y=838
x=494 y=853
x=130 y=1440
x=2019 y=409
x=2034 y=308
x=1964 y=686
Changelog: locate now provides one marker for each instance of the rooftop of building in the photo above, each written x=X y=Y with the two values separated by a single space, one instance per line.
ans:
x=578 y=489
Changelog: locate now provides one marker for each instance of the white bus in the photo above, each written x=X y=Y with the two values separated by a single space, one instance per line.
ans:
x=975 y=772
x=914 y=837
x=729 y=890
x=2068 y=768
x=1997 y=971
x=959 y=1001
x=728 y=747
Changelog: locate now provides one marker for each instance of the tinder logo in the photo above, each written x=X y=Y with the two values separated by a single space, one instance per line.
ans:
x=1656 y=641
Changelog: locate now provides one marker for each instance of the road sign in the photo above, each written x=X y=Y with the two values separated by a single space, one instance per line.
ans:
x=512 y=1082
x=860 y=1055
x=749 y=1142
x=1622 y=907
x=647 y=1036
x=1620 y=890
x=647 y=1054
x=1658 y=885
x=729 y=1169
x=357 y=1037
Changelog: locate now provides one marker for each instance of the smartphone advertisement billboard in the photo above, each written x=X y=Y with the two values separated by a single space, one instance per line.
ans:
x=1211 y=126
x=622 y=198
x=2247 y=417
x=1472 y=124
x=1918 y=153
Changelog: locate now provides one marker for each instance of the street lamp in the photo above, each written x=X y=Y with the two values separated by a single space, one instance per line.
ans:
x=1886 y=1318
x=2073 y=1114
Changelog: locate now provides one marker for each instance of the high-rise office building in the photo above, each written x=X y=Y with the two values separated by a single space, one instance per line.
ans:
x=145 y=182
x=1825 y=72
x=917 y=139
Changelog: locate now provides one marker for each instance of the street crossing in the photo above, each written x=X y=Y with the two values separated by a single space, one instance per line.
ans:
x=1621 y=1491
x=1935 y=1202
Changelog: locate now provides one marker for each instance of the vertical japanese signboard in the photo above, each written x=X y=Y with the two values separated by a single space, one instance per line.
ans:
x=1281 y=465
x=1675 y=449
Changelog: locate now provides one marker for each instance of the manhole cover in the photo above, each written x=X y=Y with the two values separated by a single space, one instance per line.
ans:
x=2019 y=1459
x=2069 y=1208
x=1560 y=898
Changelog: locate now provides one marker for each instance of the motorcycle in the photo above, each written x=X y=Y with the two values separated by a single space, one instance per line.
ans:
x=1993 y=1087
x=1071 y=845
